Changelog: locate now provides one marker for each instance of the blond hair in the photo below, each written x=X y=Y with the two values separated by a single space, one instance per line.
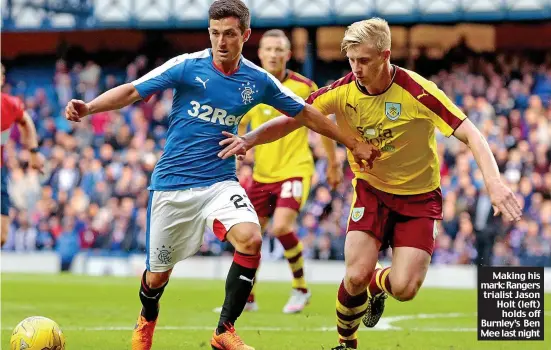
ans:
x=372 y=31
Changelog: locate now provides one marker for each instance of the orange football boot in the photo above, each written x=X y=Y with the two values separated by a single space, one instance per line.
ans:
x=142 y=337
x=229 y=340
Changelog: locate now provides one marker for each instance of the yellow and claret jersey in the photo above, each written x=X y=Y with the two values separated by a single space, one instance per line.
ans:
x=289 y=156
x=400 y=122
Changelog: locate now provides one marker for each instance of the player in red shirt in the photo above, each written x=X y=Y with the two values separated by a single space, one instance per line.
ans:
x=13 y=111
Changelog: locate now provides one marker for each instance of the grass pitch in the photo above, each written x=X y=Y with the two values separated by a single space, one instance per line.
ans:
x=100 y=312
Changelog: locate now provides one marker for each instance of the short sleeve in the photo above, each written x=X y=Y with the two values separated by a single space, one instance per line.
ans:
x=443 y=112
x=281 y=97
x=431 y=101
x=324 y=100
x=161 y=78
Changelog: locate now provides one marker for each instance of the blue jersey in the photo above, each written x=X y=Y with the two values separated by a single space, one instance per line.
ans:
x=207 y=102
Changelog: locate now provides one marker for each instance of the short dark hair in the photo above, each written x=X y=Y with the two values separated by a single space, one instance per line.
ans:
x=231 y=8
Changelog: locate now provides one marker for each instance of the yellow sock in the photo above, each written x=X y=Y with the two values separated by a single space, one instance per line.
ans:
x=296 y=263
x=293 y=253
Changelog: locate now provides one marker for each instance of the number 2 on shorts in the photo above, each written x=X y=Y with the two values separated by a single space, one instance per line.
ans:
x=236 y=199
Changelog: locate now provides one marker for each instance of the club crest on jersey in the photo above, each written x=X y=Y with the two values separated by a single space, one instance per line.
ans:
x=247 y=92
x=357 y=214
x=393 y=110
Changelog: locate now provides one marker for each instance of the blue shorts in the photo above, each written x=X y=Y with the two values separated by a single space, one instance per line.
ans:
x=5 y=198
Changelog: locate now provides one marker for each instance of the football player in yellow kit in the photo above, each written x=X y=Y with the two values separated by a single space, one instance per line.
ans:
x=397 y=198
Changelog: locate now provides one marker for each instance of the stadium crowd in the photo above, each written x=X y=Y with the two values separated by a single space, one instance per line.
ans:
x=93 y=194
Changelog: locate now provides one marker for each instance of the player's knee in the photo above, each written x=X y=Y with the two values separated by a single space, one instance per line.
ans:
x=358 y=280
x=281 y=229
x=253 y=243
x=405 y=291
x=249 y=242
x=246 y=238
x=157 y=279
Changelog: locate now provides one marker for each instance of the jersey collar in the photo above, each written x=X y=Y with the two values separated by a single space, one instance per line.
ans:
x=364 y=90
x=219 y=69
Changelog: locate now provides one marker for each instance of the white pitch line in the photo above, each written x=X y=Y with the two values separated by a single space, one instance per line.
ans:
x=261 y=329
x=385 y=324
x=432 y=329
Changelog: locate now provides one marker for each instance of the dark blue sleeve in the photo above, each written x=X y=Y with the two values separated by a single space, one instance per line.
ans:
x=281 y=97
x=161 y=78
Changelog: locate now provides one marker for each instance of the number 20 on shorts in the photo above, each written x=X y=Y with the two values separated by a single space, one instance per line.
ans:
x=291 y=188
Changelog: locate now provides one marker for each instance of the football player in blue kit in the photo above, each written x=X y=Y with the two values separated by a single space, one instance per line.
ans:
x=191 y=187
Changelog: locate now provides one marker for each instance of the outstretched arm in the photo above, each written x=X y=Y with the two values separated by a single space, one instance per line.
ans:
x=268 y=132
x=159 y=79
x=503 y=199
x=309 y=117
x=272 y=130
x=281 y=126
x=115 y=98
x=286 y=101
x=314 y=120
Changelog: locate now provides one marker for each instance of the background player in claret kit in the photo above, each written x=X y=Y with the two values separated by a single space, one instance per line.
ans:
x=13 y=111
x=398 y=201
x=191 y=187
x=282 y=169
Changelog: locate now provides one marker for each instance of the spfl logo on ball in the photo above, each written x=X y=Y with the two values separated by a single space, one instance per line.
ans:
x=357 y=214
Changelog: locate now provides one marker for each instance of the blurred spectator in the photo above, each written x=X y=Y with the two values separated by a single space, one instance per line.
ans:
x=68 y=243
x=94 y=193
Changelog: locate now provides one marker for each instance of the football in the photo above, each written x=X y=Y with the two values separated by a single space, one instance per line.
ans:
x=37 y=333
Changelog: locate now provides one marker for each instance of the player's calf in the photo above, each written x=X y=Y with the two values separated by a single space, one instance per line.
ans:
x=283 y=229
x=247 y=241
x=152 y=287
x=300 y=296
x=380 y=282
x=350 y=309
x=293 y=253
x=352 y=299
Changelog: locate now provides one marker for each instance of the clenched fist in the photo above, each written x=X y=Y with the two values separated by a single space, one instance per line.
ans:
x=76 y=110
x=364 y=154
